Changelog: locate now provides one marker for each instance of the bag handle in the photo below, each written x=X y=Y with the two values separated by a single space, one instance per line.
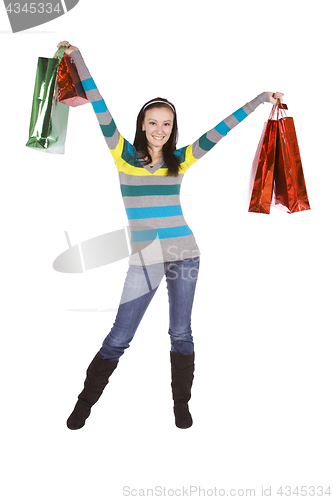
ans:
x=60 y=52
x=279 y=109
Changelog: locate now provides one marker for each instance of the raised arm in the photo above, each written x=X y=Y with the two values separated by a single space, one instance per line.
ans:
x=207 y=141
x=105 y=120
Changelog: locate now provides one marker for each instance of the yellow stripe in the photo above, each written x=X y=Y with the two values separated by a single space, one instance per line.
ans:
x=116 y=153
x=130 y=170
x=123 y=166
x=189 y=159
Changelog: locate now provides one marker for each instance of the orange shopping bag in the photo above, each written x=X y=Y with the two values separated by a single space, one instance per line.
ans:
x=279 y=167
x=262 y=191
x=70 y=90
x=289 y=189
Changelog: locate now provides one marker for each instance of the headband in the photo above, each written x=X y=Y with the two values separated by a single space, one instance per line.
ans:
x=164 y=102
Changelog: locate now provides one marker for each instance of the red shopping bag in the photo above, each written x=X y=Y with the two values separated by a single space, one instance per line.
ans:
x=289 y=188
x=279 y=167
x=264 y=178
x=70 y=90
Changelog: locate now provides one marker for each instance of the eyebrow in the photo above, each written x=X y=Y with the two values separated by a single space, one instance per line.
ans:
x=157 y=120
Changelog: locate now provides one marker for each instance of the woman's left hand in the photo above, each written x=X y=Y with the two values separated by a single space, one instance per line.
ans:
x=69 y=48
x=277 y=95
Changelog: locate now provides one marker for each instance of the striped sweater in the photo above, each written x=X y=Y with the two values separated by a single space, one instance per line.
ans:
x=158 y=230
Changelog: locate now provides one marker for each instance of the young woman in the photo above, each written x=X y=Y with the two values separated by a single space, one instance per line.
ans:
x=162 y=244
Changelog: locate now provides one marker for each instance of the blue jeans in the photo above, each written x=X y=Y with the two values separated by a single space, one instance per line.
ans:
x=140 y=287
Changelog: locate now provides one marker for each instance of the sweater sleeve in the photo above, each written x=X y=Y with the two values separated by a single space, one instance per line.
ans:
x=207 y=141
x=103 y=115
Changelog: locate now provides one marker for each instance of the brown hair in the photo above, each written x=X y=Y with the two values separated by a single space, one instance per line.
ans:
x=168 y=149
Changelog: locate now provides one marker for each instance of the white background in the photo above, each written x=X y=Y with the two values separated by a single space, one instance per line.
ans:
x=262 y=321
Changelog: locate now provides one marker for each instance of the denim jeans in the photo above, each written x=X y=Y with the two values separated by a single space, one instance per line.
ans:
x=140 y=287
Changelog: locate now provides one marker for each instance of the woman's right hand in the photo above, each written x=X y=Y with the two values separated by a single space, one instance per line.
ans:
x=69 y=48
x=275 y=97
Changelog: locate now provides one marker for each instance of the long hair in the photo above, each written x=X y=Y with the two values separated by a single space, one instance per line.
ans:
x=168 y=149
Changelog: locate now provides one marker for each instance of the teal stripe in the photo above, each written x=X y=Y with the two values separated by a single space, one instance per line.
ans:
x=222 y=128
x=162 y=233
x=147 y=235
x=109 y=130
x=181 y=153
x=99 y=106
x=240 y=114
x=160 y=190
x=129 y=156
x=173 y=232
x=153 y=212
x=88 y=84
x=205 y=143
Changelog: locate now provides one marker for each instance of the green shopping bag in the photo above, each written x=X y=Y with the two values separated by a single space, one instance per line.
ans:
x=49 y=118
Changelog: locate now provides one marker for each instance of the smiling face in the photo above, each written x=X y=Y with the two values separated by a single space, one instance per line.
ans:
x=157 y=124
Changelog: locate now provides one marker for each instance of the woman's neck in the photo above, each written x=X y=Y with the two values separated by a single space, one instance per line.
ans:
x=155 y=152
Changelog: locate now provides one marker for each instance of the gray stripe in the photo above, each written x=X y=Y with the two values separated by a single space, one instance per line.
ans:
x=184 y=247
x=148 y=180
x=252 y=105
x=151 y=201
x=154 y=168
x=214 y=136
x=112 y=142
x=231 y=121
x=158 y=222
x=265 y=97
x=197 y=151
x=104 y=118
x=93 y=95
x=80 y=65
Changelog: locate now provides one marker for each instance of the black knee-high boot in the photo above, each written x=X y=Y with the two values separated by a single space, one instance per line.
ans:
x=182 y=374
x=98 y=374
